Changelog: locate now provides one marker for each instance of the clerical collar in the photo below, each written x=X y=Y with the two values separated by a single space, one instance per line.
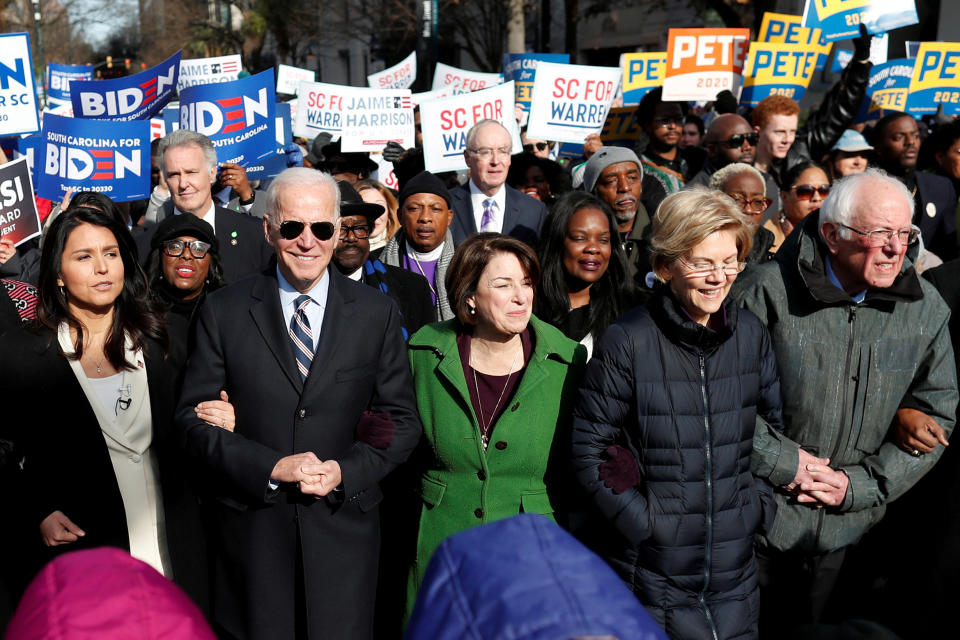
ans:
x=430 y=256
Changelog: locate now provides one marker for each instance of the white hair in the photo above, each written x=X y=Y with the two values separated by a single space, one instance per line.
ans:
x=300 y=178
x=841 y=203
x=187 y=138
x=721 y=175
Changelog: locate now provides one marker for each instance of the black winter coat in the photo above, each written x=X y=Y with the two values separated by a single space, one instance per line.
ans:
x=684 y=399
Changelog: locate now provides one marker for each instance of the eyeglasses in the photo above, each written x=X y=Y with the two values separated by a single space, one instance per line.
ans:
x=669 y=120
x=290 y=229
x=757 y=205
x=539 y=145
x=882 y=237
x=736 y=141
x=360 y=231
x=704 y=269
x=805 y=191
x=175 y=248
x=485 y=153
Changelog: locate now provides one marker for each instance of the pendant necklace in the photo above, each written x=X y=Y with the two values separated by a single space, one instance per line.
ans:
x=485 y=430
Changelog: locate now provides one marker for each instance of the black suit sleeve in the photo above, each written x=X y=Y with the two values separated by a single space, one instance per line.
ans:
x=362 y=466
x=243 y=463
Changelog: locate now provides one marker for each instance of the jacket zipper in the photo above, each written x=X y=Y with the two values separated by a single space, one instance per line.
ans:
x=842 y=435
x=708 y=559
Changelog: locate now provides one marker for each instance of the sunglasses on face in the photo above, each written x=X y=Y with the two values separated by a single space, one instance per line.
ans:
x=175 y=248
x=736 y=141
x=291 y=229
x=805 y=191
x=539 y=145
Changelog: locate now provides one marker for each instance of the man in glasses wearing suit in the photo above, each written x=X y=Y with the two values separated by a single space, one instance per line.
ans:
x=304 y=353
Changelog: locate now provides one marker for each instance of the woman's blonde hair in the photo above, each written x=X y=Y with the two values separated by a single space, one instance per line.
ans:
x=685 y=219
x=393 y=223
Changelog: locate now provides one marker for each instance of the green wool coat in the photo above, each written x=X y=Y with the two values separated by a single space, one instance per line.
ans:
x=461 y=485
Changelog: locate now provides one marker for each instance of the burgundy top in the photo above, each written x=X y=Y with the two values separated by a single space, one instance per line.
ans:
x=485 y=389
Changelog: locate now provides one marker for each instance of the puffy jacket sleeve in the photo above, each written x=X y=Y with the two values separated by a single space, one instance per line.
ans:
x=890 y=472
x=604 y=403
x=775 y=457
x=838 y=109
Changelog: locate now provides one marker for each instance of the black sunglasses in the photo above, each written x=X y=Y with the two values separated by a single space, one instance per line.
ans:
x=290 y=229
x=736 y=140
x=539 y=145
x=805 y=191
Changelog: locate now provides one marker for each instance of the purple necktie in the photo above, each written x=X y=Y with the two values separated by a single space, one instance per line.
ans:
x=489 y=214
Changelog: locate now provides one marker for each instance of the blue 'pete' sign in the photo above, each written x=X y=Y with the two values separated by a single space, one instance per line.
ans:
x=136 y=97
x=239 y=116
x=522 y=69
x=59 y=77
x=112 y=158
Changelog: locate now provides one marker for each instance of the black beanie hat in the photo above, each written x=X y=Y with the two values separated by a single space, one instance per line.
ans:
x=184 y=224
x=425 y=182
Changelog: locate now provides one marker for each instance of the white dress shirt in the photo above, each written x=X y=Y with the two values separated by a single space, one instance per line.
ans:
x=209 y=217
x=314 y=310
x=476 y=200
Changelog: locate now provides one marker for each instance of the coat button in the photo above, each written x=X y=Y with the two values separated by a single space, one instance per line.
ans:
x=482 y=474
x=135 y=458
x=501 y=445
x=478 y=513
x=302 y=413
x=516 y=405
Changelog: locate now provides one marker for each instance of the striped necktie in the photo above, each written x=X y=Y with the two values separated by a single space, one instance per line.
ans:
x=301 y=336
x=489 y=214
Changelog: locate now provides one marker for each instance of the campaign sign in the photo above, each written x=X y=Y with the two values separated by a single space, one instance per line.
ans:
x=642 y=72
x=272 y=165
x=289 y=78
x=571 y=101
x=59 y=77
x=18 y=96
x=18 y=210
x=158 y=128
x=136 y=97
x=621 y=128
x=400 y=76
x=59 y=108
x=777 y=69
x=936 y=78
x=365 y=119
x=385 y=174
x=239 y=116
x=789 y=29
x=423 y=96
x=912 y=46
x=209 y=70
x=522 y=69
x=841 y=19
x=112 y=158
x=28 y=146
x=445 y=124
x=171 y=118
x=887 y=89
x=463 y=81
x=703 y=62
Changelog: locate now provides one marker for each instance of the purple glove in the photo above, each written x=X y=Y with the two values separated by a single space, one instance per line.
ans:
x=376 y=429
x=620 y=471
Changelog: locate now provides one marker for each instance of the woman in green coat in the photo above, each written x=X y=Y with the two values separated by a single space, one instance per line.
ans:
x=494 y=388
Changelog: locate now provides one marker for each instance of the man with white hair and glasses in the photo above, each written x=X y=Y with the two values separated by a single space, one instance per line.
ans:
x=858 y=336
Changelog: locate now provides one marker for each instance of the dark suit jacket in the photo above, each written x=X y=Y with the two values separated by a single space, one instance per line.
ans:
x=522 y=219
x=243 y=248
x=935 y=195
x=67 y=465
x=261 y=535
x=409 y=290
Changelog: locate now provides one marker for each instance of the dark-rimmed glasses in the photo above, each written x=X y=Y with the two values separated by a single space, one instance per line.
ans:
x=756 y=206
x=175 y=248
x=360 y=231
x=291 y=229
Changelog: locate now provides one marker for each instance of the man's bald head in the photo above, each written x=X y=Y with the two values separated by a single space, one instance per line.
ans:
x=723 y=132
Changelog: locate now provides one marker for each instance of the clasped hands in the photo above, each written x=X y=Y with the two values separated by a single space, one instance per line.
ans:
x=311 y=475
x=816 y=483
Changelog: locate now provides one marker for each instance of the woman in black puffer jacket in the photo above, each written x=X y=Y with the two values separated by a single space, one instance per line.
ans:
x=677 y=385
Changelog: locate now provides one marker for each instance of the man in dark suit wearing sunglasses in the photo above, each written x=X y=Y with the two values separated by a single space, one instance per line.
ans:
x=304 y=353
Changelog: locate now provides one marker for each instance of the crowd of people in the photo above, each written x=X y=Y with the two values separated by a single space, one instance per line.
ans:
x=712 y=358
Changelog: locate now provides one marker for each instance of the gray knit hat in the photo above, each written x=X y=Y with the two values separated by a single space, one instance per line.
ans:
x=603 y=158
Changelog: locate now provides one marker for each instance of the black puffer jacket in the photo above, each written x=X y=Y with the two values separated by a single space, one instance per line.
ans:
x=684 y=399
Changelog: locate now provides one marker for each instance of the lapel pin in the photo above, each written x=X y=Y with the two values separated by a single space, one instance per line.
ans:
x=233 y=238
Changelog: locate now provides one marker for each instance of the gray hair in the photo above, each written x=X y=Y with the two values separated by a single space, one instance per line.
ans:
x=721 y=175
x=186 y=138
x=838 y=208
x=475 y=130
x=300 y=178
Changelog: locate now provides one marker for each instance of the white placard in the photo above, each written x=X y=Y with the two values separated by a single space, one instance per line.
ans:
x=463 y=81
x=399 y=76
x=289 y=78
x=18 y=96
x=445 y=123
x=364 y=119
x=417 y=98
x=571 y=101
x=209 y=70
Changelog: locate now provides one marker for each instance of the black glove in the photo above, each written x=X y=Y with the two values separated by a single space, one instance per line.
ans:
x=376 y=429
x=726 y=102
x=861 y=45
x=393 y=151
